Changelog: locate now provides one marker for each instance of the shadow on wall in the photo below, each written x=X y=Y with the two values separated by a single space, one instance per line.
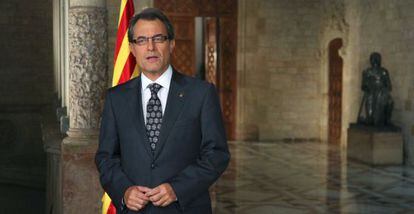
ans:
x=22 y=162
x=7 y=135
x=22 y=158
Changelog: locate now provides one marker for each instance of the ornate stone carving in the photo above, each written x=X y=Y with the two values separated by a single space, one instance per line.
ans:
x=87 y=65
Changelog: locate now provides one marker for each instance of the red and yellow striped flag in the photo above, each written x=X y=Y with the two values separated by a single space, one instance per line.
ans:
x=124 y=69
x=124 y=62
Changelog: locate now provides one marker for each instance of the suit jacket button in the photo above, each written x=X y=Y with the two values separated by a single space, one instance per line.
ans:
x=152 y=166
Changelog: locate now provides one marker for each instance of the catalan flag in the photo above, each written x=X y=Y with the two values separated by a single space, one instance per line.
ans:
x=124 y=62
x=124 y=69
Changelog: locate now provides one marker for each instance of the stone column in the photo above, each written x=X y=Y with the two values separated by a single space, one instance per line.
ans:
x=87 y=31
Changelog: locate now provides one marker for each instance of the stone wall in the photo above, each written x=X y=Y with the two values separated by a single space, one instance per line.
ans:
x=386 y=27
x=26 y=62
x=279 y=95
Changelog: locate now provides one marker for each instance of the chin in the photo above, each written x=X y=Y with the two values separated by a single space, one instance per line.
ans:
x=154 y=71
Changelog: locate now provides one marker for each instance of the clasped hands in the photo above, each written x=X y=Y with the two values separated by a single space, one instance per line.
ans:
x=136 y=197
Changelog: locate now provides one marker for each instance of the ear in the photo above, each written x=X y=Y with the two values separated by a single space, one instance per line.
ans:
x=172 y=46
x=131 y=48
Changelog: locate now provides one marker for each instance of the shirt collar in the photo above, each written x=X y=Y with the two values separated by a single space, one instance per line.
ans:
x=164 y=80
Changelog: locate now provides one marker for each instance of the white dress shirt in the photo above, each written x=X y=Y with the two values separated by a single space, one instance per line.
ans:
x=164 y=80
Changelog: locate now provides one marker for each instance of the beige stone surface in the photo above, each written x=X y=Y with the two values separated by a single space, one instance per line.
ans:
x=89 y=3
x=375 y=147
x=278 y=69
x=80 y=180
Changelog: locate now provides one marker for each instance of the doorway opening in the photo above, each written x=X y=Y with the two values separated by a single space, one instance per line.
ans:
x=335 y=92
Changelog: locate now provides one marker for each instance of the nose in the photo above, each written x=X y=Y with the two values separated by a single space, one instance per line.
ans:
x=150 y=45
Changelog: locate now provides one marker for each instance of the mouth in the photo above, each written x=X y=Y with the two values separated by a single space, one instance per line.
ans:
x=152 y=58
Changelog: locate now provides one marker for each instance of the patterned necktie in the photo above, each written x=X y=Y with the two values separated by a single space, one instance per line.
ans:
x=154 y=116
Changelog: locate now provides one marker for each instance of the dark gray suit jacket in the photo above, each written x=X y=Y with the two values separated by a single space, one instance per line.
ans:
x=191 y=154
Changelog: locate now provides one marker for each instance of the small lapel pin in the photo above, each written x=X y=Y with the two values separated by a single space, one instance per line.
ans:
x=181 y=94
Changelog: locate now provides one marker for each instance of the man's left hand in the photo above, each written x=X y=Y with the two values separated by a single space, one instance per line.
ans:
x=162 y=195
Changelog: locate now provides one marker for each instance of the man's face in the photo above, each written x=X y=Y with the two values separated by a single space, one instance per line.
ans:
x=152 y=57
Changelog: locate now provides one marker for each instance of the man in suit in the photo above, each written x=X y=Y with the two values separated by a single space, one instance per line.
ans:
x=162 y=142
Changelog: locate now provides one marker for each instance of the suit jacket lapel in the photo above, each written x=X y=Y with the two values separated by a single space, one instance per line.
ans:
x=135 y=109
x=175 y=101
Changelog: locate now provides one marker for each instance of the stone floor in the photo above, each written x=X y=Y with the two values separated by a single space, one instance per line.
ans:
x=263 y=178
x=309 y=177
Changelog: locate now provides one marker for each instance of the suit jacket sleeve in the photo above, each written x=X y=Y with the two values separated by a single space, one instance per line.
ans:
x=214 y=155
x=107 y=159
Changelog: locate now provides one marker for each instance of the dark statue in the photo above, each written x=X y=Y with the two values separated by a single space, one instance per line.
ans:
x=377 y=104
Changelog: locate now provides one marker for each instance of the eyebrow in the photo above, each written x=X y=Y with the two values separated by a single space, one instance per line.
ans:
x=141 y=37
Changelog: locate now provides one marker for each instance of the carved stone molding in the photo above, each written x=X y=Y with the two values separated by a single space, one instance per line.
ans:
x=87 y=65
x=333 y=13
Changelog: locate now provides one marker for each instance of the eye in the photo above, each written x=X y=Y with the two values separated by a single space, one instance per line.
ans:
x=159 y=38
x=141 y=41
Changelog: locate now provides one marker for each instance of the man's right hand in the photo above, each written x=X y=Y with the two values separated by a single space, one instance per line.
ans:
x=135 y=198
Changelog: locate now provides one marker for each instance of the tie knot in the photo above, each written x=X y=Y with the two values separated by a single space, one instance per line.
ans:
x=154 y=88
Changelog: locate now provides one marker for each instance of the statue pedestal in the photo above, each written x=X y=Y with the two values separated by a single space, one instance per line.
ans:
x=376 y=146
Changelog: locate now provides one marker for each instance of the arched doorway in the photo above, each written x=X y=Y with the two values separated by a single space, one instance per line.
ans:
x=335 y=92
x=218 y=19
